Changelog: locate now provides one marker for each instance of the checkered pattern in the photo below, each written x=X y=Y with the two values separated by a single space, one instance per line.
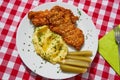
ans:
x=104 y=13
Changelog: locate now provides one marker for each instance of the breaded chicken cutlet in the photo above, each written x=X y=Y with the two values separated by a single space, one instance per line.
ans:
x=61 y=21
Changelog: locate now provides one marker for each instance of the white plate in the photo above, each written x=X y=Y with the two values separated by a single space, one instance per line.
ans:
x=40 y=66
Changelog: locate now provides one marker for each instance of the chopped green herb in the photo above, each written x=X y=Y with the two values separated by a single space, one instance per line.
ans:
x=28 y=50
x=57 y=71
x=39 y=39
x=79 y=12
x=86 y=37
x=41 y=62
x=60 y=48
x=29 y=36
x=40 y=67
x=45 y=62
x=54 y=46
x=35 y=70
x=24 y=43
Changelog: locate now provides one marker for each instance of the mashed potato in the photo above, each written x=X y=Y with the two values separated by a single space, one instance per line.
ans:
x=49 y=45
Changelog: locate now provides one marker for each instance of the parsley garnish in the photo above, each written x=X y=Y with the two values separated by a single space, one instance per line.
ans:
x=79 y=12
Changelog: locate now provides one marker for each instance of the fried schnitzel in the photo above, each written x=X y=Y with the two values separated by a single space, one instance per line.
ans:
x=61 y=21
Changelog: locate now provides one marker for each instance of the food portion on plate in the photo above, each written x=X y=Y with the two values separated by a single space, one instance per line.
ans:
x=54 y=29
x=48 y=45
x=76 y=62
x=61 y=21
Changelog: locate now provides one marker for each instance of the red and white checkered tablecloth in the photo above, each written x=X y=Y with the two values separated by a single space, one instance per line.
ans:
x=104 y=13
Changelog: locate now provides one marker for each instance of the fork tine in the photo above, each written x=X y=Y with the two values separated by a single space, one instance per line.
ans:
x=117 y=37
x=117 y=31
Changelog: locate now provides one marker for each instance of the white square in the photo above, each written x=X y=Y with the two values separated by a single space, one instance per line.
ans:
x=104 y=2
x=5 y=15
x=2 y=25
x=20 y=9
x=10 y=64
x=94 y=1
x=10 y=5
x=59 y=0
x=8 y=39
x=110 y=24
x=91 y=9
x=70 y=2
x=16 y=18
x=1 y=1
x=15 y=53
x=22 y=68
x=6 y=76
x=81 y=6
x=3 y=50
x=1 y=61
x=25 y=1
x=17 y=78
x=100 y=67
x=115 y=5
x=97 y=78
x=102 y=12
x=35 y=3
x=85 y=75
x=99 y=21
x=111 y=71
x=12 y=28
x=113 y=15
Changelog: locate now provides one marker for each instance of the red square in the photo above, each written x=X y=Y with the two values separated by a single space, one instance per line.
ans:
x=87 y=3
x=93 y=70
x=28 y=6
x=13 y=12
x=9 y=21
x=117 y=21
x=1 y=42
x=106 y=18
x=95 y=15
x=105 y=75
x=104 y=28
x=18 y=60
x=77 y=1
x=7 y=57
x=2 y=8
x=14 y=72
x=17 y=2
x=11 y=46
x=98 y=5
x=109 y=8
x=26 y=76
x=2 y=68
x=4 y=32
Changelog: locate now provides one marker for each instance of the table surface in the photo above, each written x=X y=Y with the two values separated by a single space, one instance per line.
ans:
x=104 y=13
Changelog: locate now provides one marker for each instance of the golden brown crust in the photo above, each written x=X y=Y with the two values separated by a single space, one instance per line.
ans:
x=61 y=21
x=75 y=38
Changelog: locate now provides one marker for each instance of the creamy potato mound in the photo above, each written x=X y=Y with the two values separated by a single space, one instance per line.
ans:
x=49 y=45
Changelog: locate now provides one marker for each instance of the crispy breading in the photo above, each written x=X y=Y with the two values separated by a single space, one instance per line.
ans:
x=75 y=38
x=61 y=21
x=39 y=18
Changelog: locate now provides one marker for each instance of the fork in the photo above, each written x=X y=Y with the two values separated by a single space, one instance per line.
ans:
x=117 y=37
